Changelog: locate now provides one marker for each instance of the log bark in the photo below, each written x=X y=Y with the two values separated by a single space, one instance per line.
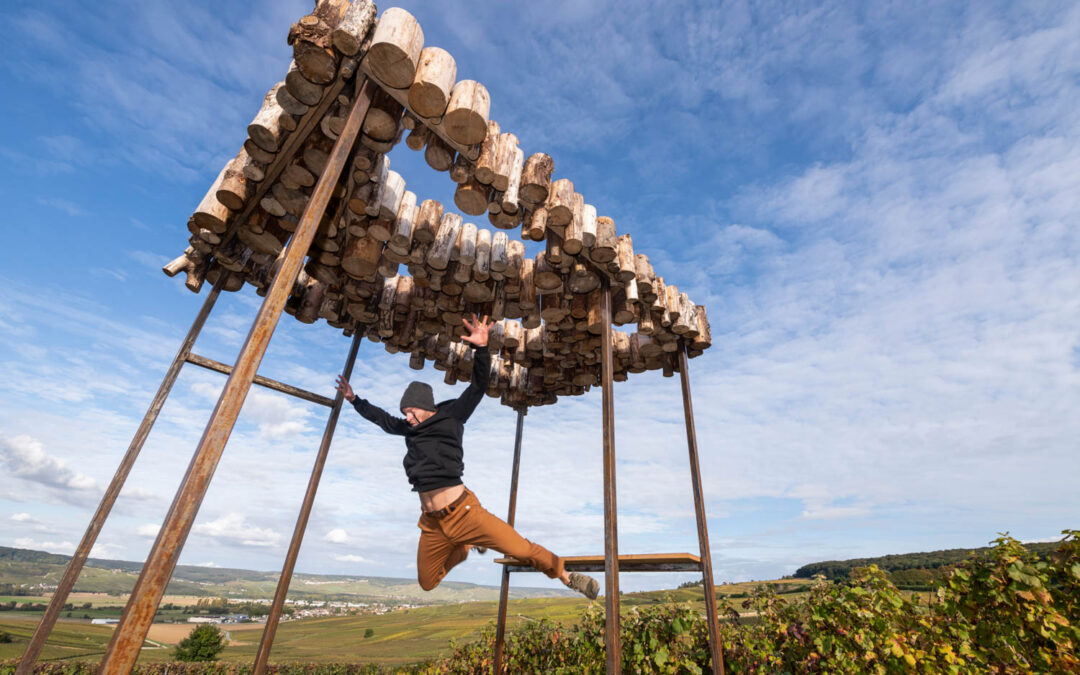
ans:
x=301 y=88
x=545 y=276
x=515 y=252
x=536 y=178
x=391 y=195
x=401 y=238
x=417 y=138
x=606 y=246
x=461 y=170
x=472 y=197
x=588 y=227
x=499 y=252
x=504 y=161
x=624 y=262
x=235 y=189
x=395 y=48
x=535 y=226
x=211 y=214
x=438 y=154
x=290 y=103
x=596 y=315
x=466 y=118
x=434 y=81
x=443 y=245
x=485 y=162
x=361 y=197
x=560 y=203
x=258 y=154
x=271 y=124
x=354 y=27
x=296 y=176
x=643 y=272
x=312 y=43
x=510 y=199
x=427 y=221
x=574 y=237
x=482 y=265
x=466 y=245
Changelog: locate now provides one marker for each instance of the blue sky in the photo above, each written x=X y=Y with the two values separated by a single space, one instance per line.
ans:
x=877 y=203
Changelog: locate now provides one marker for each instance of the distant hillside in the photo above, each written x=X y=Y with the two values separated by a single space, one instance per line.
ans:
x=909 y=570
x=23 y=568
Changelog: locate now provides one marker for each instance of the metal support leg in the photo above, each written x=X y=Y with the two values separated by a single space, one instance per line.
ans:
x=504 y=590
x=302 y=520
x=128 y=638
x=611 y=538
x=71 y=574
x=715 y=648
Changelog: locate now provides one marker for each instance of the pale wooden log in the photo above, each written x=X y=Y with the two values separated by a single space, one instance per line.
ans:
x=495 y=205
x=536 y=178
x=625 y=259
x=622 y=310
x=443 y=245
x=438 y=154
x=364 y=159
x=553 y=250
x=489 y=150
x=643 y=272
x=290 y=103
x=178 y=265
x=527 y=297
x=479 y=292
x=211 y=214
x=312 y=44
x=272 y=206
x=704 y=337
x=409 y=120
x=510 y=198
x=311 y=300
x=545 y=276
x=551 y=307
x=258 y=154
x=382 y=147
x=417 y=138
x=482 y=266
x=383 y=117
x=380 y=228
x=466 y=118
x=391 y=195
x=472 y=197
x=646 y=325
x=360 y=259
x=301 y=88
x=234 y=282
x=402 y=236
x=596 y=316
x=235 y=189
x=349 y=34
x=427 y=221
x=296 y=176
x=395 y=48
x=388 y=265
x=683 y=324
x=461 y=170
x=270 y=240
x=588 y=227
x=432 y=83
x=252 y=169
x=293 y=201
x=560 y=203
x=582 y=279
x=606 y=247
x=515 y=253
x=271 y=124
x=466 y=245
x=631 y=292
x=536 y=225
x=574 y=236
x=579 y=307
x=361 y=197
x=672 y=303
x=504 y=161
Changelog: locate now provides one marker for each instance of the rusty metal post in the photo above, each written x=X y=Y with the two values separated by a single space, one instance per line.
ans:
x=267 y=641
x=135 y=622
x=716 y=650
x=611 y=534
x=504 y=590
x=71 y=574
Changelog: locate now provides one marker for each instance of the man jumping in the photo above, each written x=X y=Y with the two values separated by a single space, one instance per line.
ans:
x=452 y=520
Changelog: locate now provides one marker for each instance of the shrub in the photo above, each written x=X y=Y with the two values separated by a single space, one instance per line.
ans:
x=202 y=644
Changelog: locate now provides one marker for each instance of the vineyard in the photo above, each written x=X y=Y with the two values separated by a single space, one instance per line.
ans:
x=1012 y=611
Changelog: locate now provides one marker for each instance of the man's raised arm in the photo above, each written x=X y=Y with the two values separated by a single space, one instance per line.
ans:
x=465 y=404
x=372 y=413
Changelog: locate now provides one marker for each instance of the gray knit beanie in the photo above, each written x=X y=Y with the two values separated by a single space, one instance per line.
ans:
x=418 y=395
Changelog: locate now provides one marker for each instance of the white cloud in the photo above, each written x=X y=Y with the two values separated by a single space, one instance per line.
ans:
x=24 y=518
x=207 y=564
x=64 y=547
x=148 y=530
x=26 y=458
x=337 y=536
x=233 y=528
x=351 y=558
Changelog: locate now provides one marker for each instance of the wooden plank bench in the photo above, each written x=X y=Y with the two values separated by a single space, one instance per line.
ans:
x=643 y=562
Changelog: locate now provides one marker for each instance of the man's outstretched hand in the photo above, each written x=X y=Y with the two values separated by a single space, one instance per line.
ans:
x=478 y=331
x=346 y=389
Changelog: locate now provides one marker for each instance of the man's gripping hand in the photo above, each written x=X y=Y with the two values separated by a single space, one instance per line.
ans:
x=478 y=331
x=344 y=387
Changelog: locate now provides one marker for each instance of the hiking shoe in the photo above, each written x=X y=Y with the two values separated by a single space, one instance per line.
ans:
x=584 y=584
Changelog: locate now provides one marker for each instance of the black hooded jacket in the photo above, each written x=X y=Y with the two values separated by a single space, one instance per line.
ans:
x=434 y=453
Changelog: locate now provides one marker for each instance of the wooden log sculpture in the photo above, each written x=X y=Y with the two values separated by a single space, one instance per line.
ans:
x=354 y=27
x=395 y=48
x=271 y=124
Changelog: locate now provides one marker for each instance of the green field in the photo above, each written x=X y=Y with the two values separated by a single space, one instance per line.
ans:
x=400 y=637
